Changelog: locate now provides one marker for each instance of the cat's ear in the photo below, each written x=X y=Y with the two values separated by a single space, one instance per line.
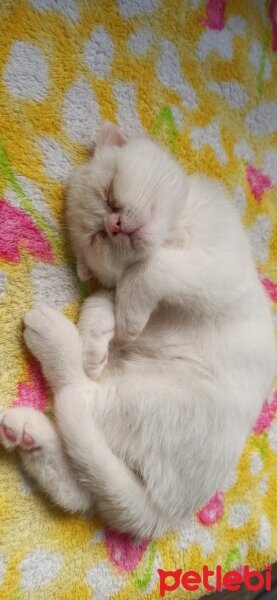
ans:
x=110 y=135
x=83 y=271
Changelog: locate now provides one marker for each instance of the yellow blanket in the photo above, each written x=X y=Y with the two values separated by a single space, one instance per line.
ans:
x=202 y=77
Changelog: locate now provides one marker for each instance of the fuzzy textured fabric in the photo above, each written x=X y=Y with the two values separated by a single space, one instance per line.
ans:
x=202 y=77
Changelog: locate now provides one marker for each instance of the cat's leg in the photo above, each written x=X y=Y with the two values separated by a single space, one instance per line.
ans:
x=96 y=328
x=120 y=496
x=56 y=343
x=43 y=457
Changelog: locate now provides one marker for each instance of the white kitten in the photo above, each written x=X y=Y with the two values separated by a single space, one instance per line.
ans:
x=155 y=437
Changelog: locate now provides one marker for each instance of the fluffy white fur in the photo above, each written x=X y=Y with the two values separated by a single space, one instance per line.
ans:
x=150 y=437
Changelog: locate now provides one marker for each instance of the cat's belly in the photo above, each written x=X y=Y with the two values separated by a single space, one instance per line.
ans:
x=236 y=355
x=177 y=339
x=168 y=332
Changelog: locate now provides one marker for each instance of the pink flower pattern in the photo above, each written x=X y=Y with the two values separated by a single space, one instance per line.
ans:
x=213 y=511
x=270 y=287
x=215 y=14
x=258 y=182
x=123 y=550
x=34 y=392
x=267 y=415
x=18 y=230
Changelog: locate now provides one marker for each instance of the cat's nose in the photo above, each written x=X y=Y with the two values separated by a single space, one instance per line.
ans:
x=113 y=225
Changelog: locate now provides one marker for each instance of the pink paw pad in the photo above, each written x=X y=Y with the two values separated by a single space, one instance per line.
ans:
x=27 y=440
x=9 y=433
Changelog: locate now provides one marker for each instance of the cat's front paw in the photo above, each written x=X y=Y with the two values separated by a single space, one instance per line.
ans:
x=96 y=328
x=95 y=356
x=129 y=324
x=133 y=307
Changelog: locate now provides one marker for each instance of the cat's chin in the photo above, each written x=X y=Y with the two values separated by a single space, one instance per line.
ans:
x=130 y=242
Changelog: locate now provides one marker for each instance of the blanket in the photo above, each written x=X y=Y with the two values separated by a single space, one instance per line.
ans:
x=201 y=76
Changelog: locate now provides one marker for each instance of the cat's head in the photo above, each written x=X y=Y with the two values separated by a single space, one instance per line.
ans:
x=121 y=204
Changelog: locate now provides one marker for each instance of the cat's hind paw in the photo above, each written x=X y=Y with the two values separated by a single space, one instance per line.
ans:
x=24 y=428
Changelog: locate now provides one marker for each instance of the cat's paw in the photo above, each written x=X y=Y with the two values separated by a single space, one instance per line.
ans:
x=132 y=309
x=47 y=329
x=96 y=339
x=95 y=355
x=54 y=341
x=24 y=428
x=96 y=328
x=129 y=324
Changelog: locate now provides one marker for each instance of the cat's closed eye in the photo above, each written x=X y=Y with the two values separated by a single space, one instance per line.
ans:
x=113 y=203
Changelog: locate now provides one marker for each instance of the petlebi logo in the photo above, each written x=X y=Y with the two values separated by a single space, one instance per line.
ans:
x=215 y=581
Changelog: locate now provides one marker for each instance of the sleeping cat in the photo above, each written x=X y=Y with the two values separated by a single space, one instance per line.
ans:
x=160 y=383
